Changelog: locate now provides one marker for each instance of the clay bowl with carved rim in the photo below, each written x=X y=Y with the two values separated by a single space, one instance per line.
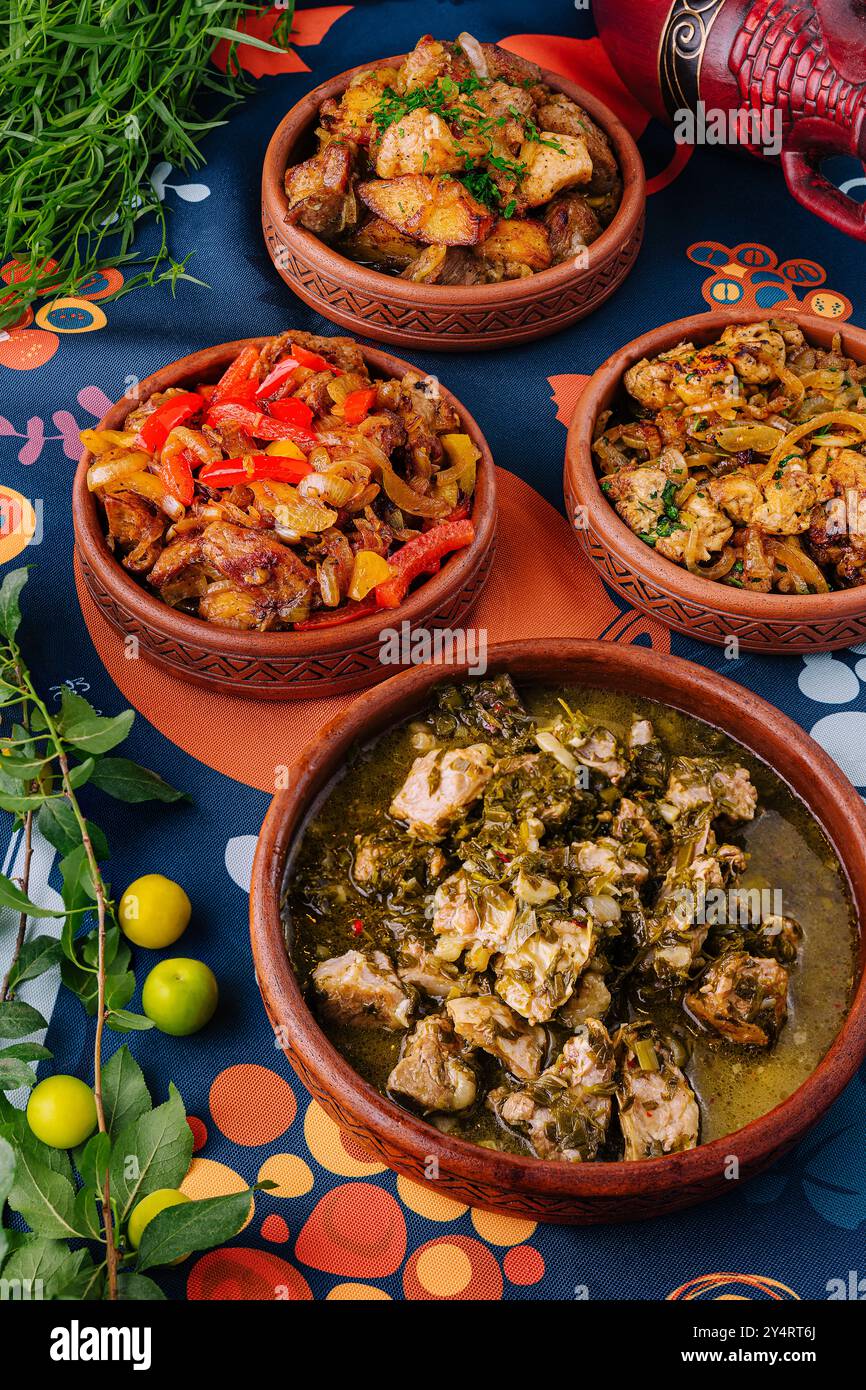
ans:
x=687 y=602
x=274 y=665
x=523 y=1186
x=451 y=318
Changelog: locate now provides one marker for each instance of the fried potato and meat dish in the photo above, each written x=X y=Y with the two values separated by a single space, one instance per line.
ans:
x=745 y=460
x=295 y=493
x=460 y=167
x=511 y=923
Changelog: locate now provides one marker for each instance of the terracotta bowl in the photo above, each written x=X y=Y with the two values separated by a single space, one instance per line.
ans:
x=453 y=318
x=562 y=1192
x=273 y=665
x=699 y=607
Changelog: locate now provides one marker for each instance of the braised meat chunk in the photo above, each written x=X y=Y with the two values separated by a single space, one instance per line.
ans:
x=363 y=990
x=658 y=1113
x=565 y=1113
x=432 y=1071
x=743 y=998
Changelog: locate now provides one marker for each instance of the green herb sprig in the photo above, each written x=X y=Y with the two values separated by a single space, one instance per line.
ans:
x=96 y=93
x=87 y=1196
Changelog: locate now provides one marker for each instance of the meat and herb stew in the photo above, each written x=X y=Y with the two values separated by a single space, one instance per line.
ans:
x=460 y=167
x=297 y=492
x=570 y=923
x=745 y=460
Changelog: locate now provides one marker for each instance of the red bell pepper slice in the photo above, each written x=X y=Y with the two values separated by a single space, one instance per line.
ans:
x=277 y=378
x=314 y=361
x=261 y=426
x=158 y=425
x=358 y=404
x=335 y=617
x=417 y=555
x=253 y=468
x=176 y=474
x=298 y=357
x=291 y=412
x=236 y=378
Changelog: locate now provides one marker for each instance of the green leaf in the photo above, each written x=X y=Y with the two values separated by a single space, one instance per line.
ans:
x=88 y=1284
x=14 y=1074
x=20 y=805
x=119 y=989
x=153 y=1151
x=7 y=1170
x=27 y=1052
x=137 y=1288
x=10 y=606
x=17 y=1019
x=11 y=896
x=126 y=781
x=80 y=774
x=45 y=1198
x=125 y=1096
x=122 y=1021
x=192 y=1226
x=21 y=769
x=78 y=891
x=81 y=982
x=58 y=824
x=51 y=1261
x=35 y=958
x=94 y=1160
x=87 y=1213
x=81 y=726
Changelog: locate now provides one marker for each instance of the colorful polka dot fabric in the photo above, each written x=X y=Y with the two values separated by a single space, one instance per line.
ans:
x=721 y=230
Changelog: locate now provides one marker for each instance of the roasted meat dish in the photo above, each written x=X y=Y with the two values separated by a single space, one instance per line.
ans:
x=296 y=492
x=530 y=926
x=460 y=167
x=745 y=460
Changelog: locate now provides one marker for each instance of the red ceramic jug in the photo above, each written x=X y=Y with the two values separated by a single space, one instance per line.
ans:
x=800 y=63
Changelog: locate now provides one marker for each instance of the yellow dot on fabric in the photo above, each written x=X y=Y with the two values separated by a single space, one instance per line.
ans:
x=330 y=1147
x=444 y=1269
x=358 y=1293
x=207 y=1178
x=291 y=1174
x=499 y=1229
x=427 y=1202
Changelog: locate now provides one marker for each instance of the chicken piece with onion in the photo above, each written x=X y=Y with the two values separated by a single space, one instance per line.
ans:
x=433 y=1071
x=420 y=967
x=658 y=1112
x=471 y=917
x=743 y=998
x=541 y=963
x=486 y=1022
x=440 y=786
x=363 y=991
x=565 y=1114
x=706 y=784
x=591 y=999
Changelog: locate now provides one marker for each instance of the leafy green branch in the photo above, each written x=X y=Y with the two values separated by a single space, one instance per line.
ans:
x=90 y=1195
